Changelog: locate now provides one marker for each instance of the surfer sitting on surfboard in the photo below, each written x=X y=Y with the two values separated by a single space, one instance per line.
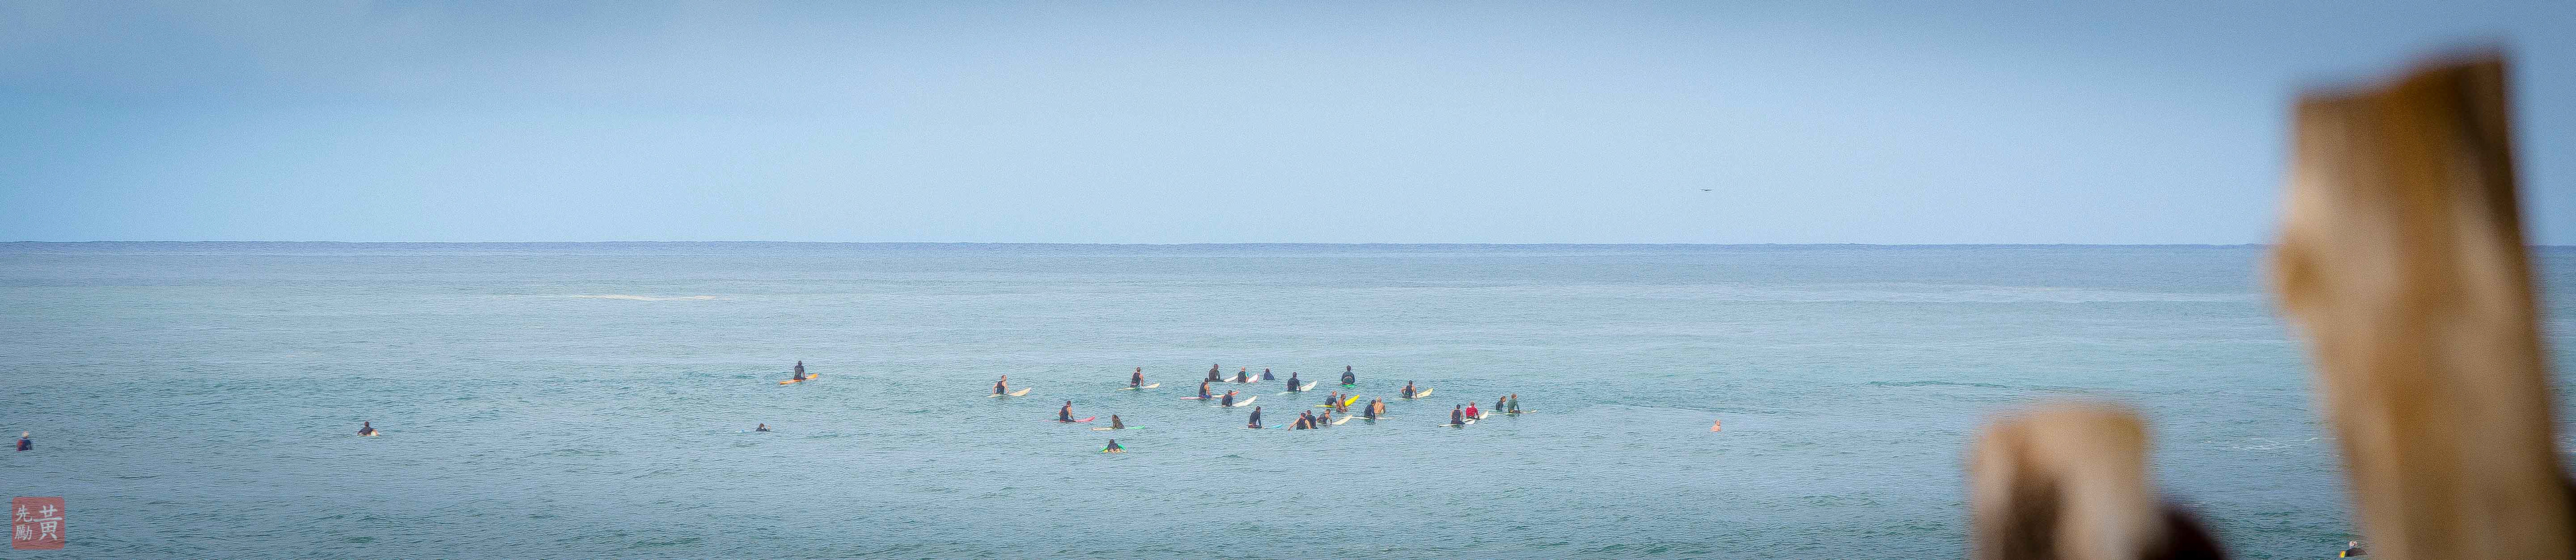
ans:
x=1265 y=374
x=1212 y=375
x=1292 y=382
x=1203 y=389
x=1348 y=378
x=1002 y=387
x=367 y=428
x=1325 y=419
x=1515 y=404
x=1408 y=390
x=800 y=370
x=1304 y=420
x=1256 y=418
x=1136 y=379
x=1375 y=408
x=1229 y=399
x=1114 y=424
x=1454 y=418
x=1243 y=375
x=1471 y=410
x=1065 y=414
x=1113 y=448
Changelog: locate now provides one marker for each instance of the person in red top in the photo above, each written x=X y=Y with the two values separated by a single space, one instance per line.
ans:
x=1471 y=411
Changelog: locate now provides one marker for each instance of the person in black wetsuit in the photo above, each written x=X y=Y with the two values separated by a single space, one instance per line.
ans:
x=1136 y=379
x=1229 y=399
x=1408 y=390
x=1114 y=424
x=1243 y=375
x=1292 y=381
x=1265 y=374
x=1375 y=407
x=1256 y=418
x=1457 y=416
x=1304 y=420
x=1349 y=378
x=1203 y=389
x=366 y=427
x=1003 y=386
x=25 y=444
x=761 y=428
x=1113 y=447
x=1065 y=414
x=1212 y=375
x=800 y=370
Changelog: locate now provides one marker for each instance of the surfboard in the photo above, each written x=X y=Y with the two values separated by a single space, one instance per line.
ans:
x=1471 y=421
x=1418 y=394
x=1309 y=386
x=1449 y=425
x=1344 y=419
x=1022 y=391
x=1350 y=385
x=1144 y=387
x=1209 y=397
x=1107 y=429
x=1120 y=450
x=1245 y=401
x=1077 y=421
x=808 y=377
x=372 y=434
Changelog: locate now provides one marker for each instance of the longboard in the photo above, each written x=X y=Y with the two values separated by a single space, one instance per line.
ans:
x=808 y=377
x=1301 y=388
x=1144 y=387
x=372 y=434
x=1023 y=391
x=1245 y=401
x=1344 y=419
x=1107 y=429
x=1076 y=421
x=1209 y=397
x=1418 y=394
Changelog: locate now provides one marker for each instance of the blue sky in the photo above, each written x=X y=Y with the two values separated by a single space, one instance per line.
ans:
x=1153 y=122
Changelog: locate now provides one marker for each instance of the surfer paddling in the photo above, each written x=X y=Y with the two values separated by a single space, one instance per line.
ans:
x=1113 y=448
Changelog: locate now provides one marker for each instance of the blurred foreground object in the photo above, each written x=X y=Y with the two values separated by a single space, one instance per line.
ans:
x=2402 y=261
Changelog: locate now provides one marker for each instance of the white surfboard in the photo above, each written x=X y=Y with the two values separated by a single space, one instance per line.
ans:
x=1245 y=401
x=1144 y=387
x=1418 y=394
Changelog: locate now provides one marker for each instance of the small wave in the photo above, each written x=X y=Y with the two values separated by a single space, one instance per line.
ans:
x=640 y=298
x=1936 y=384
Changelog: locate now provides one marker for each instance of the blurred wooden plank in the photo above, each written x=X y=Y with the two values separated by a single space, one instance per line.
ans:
x=2402 y=261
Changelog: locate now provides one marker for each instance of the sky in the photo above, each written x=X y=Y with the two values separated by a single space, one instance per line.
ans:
x=1210 y=122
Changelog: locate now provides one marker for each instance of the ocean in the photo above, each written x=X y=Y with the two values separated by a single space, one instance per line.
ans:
x=597 y=400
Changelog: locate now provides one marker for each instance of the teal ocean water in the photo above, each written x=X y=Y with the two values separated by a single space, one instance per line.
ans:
x=197 y=400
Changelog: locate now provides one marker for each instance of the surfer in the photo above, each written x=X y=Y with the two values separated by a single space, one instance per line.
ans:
x=1471 y=410
x=1325 y=419
x=1002 y=387
x=1292 y=381
x=2350 y=549
x=1065 y=414
x=1114 y=424
x=367 y=428
x=1348 y=378
x=761 y=428
x=1203 y=389
x=1113 y=448
x=1212 y=375
x=1343 y=406
x=25 y=444
x=1516 y=404
x=1136 y=379
x=1304 y=420
x=1256 y=418
x=1454 y=418
x=1408 y=389
x=800 y=370
x=1243 y=375
x=1265 y=374
x=1229 y=399
x=1375 y=408
x=1335 y=397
